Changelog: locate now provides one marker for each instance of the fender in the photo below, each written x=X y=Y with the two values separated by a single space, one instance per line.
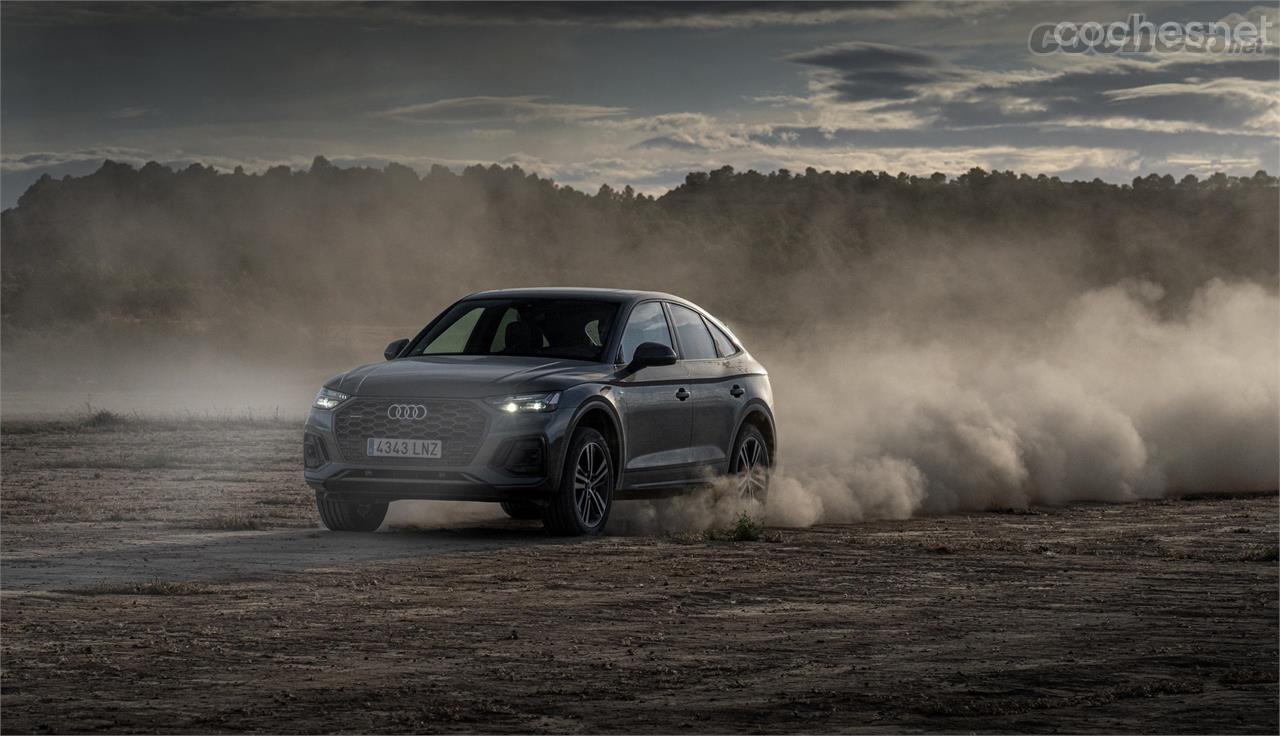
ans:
x=557 y=455
x=758 y=406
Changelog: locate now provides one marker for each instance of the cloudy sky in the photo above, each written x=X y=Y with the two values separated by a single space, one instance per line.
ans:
x=624 y=93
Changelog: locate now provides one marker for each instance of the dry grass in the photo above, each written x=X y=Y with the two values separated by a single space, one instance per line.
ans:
x=747 y=529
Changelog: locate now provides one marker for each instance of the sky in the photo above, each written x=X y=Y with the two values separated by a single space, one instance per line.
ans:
x=626 y=94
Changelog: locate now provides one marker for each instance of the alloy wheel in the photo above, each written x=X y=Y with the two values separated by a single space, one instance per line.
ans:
x=591 y=484
x=753 y=469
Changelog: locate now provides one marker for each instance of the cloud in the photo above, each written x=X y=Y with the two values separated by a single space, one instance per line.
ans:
x=1244 y=103
x=1227 y=96
x=1257 y=15
x=689 y=132
x=490 y=134
x=42 y=160
x=620 y=15
x=868 y=85
x=130 y=113
x=1205 y=163
x=664 y=123
x=703 y=141
x=874 y=71
x=485 y=109
x=684 y=131
x=672 y=143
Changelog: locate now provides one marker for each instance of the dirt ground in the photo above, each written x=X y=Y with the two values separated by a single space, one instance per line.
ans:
x=172 y=578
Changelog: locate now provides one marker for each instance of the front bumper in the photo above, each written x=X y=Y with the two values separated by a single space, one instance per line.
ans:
x=486 y=476
x=397 y=484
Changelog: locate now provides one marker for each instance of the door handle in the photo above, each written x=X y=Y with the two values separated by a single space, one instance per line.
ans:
x=683 y=394
x=736 y=391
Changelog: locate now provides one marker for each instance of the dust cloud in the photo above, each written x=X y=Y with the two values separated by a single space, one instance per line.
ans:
x=988 y=341
x=1107 y=401
x=1103 y=400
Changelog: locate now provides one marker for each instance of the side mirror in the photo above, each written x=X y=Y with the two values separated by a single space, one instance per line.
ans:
x=395 y=347
x=651 y=354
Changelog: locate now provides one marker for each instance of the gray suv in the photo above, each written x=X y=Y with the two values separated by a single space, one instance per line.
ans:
x=551 y=402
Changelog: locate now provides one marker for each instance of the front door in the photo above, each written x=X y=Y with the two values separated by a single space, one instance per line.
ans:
x=655 y=407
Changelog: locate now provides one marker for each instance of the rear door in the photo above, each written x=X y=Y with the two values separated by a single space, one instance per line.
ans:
x=655 y=405
x=714 y=404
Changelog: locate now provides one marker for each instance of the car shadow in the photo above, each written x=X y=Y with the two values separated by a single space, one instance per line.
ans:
x=169 y=554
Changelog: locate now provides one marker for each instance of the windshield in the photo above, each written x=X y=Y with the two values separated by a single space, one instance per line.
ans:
x=577 y=329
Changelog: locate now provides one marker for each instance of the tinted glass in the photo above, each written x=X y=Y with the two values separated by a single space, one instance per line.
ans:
x=500 y=335
x=723 y=343
x=695 y=341
x=544 y=328
x=647 y=324
x=453 y=339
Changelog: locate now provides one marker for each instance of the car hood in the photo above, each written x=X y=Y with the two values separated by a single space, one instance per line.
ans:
x=465 y=376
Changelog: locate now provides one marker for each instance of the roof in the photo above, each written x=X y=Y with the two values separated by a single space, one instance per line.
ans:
x=565 y=292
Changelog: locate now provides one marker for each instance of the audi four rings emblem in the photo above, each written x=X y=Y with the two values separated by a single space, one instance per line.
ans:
x=406 y=411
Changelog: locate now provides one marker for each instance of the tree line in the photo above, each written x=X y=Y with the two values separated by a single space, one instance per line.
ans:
x=359 y=244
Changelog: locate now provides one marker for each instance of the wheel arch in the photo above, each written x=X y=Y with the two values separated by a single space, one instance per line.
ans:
x=600 y=415
x=757 y=413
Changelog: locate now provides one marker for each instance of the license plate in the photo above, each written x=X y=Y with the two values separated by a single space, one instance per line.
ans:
x=385 y=447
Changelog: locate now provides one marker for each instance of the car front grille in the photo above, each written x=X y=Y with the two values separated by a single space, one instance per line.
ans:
x=459 y=426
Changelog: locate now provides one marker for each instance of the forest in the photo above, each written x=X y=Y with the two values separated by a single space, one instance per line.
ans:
x=342 y=245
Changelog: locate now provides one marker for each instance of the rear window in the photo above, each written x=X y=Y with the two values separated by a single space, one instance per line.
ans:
x=723 y=342
x=695 y=341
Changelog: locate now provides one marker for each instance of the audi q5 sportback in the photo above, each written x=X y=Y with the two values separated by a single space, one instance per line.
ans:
x=552 y=402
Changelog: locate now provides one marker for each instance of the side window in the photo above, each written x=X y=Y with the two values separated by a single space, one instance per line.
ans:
x=723 y=343
x=646 y=324
x=454 y=339
x=695 y=341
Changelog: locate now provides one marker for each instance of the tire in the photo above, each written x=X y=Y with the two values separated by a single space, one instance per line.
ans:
x=582 y=503
x=750 y=463
x=347 y=516
x=522 y=509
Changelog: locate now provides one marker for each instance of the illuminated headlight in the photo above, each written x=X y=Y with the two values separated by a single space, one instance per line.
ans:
x=328 y=398
x=525 y=403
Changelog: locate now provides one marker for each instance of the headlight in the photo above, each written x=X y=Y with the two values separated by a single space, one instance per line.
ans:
x=527 y=403
x=328 y=398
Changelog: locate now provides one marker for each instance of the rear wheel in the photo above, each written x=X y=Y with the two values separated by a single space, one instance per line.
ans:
x=350 y=516
x=522 y=509
x=582 y=503
x=750 y=467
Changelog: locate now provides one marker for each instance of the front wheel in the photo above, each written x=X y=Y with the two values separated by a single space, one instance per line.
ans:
x=350 y=516
x=582 y=502
x=750 y=467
